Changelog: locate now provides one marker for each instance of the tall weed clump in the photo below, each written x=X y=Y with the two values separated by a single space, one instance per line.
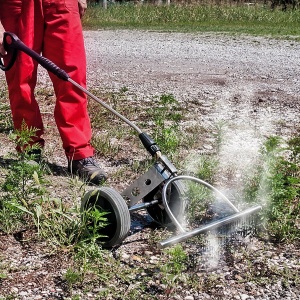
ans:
x=276 y=184
x=26 y=203
x=22 y=188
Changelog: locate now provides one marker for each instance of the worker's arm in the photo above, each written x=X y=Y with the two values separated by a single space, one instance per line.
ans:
x=82 y=5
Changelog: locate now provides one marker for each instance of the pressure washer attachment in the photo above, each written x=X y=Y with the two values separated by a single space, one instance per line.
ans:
x=160 y=191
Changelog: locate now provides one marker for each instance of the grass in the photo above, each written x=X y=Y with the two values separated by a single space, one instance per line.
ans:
x=256 y=20
x=166 y=114
x=5 y=122
x=276 y=184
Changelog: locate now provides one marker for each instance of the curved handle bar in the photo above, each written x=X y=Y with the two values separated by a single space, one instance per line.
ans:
x=13 y=58
x=11 y=41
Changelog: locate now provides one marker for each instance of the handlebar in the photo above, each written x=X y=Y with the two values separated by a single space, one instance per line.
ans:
x=12 y=53
x=12 y=43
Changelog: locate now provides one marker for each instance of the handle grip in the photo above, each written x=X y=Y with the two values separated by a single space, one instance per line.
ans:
x=13 y=56
x=11 y=41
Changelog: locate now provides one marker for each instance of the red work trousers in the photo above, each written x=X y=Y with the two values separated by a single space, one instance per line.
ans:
x=53 y=28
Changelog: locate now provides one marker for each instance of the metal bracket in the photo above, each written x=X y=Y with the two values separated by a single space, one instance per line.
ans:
x=145 y=184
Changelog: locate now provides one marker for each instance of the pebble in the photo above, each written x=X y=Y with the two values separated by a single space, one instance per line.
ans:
x=208 y=147
x=244 y=296
x=14 y=290
x=136 y=258
x=125 y=256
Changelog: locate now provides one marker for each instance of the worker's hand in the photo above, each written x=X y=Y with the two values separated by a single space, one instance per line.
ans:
x=82 y=5
x=2 y=51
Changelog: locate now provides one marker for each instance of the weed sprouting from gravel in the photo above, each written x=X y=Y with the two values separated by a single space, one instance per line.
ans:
x=276 y=183
x=26 y=204
x=166 y=114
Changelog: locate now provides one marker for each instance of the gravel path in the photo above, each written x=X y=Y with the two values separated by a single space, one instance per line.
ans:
x=250 y=84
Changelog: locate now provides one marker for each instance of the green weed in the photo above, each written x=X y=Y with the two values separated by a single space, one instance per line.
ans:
x=104 y=144
x=6 y=124
x=277 y=184
x=22 y=188
x=87 y=258
x=173 y=270
x=166 y=115
x=177 y=260
x=200 y=199
x=25 y=203
x=72 y=277
x=110 y=133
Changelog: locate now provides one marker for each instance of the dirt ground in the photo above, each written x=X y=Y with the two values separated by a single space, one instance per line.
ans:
x=248 y=85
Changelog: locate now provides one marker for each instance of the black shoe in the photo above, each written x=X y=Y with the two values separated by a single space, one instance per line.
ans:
x=88 y=170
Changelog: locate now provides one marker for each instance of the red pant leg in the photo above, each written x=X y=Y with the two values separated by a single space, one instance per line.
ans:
x=21 y=78
x=56 y=25
x=64 y=45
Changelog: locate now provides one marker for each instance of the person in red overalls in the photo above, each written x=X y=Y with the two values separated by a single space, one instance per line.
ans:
x=53 y=28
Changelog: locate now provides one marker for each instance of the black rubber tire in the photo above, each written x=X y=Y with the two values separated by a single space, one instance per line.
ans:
x=176 y=201
x=118 y=218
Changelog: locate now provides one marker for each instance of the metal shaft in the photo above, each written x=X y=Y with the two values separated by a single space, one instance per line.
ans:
x=205 y=228
x=132 y=125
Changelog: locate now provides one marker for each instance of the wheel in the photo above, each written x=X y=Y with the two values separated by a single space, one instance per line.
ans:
x=175 y=199
x=118 y=217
